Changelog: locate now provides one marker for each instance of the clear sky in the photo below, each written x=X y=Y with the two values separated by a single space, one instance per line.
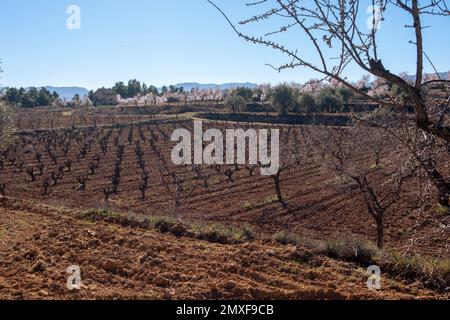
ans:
x=164 y=42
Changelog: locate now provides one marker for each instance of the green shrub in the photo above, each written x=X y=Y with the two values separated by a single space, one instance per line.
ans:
x=306 y=103
x=235 y=103
x=283 y=98
x=244 y=92
x=329 y=100
x=7 y=125
x=346 y=94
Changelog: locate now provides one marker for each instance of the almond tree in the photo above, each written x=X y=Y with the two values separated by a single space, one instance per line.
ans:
x=332 y=24
x=294 y=155
x=7 y=126
x=430 y=152
x=340 y=35
x=370 y=158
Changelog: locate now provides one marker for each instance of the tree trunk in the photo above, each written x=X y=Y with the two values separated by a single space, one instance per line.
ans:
x=380 y=232
x=276 y=179
x=444 y=196
x=442 y=185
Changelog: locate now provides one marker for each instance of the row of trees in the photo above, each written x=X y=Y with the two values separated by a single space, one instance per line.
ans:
x=29 y=98
x=39 y=97
x=329 y=99
x=135 y=88
x=287 y=98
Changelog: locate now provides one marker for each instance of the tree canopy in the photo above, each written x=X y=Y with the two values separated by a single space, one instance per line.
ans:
x=33 y=97
x=7 y=125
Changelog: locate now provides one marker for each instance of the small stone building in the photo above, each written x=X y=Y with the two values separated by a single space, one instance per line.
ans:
x=105 y=97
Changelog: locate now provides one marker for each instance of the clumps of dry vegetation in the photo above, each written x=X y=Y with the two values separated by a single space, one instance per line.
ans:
x=442 y=210
x=223 y=233
x=286 y=238
x=346 y=248
x=432 y=272
x=248 y=206
x=215 y=232
x=352 y=249
x=96 y=215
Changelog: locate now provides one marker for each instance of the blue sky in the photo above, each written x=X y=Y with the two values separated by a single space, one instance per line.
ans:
x=165 y=42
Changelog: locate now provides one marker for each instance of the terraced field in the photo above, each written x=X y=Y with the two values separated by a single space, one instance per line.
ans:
x=53 y=176
x=38 y=243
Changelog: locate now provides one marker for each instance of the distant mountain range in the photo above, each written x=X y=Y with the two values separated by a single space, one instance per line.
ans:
x=188 y=86
x=68 y=92
x=64 y=92
x=442 y=76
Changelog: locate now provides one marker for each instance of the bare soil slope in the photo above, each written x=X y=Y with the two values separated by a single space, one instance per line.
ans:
x=38 y=244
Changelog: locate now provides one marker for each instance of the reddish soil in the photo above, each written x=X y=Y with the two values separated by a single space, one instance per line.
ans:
x=319 y=207
x=38 y=244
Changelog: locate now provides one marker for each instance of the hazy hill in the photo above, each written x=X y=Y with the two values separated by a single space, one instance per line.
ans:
x=188 y=86
x=442 y=75
x=68 y=92
x=64 y=92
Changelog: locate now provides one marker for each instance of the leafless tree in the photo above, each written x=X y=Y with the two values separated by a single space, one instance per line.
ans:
x=341 y=37
x=370 y=158
x=31 y=173
x=143 y=186
x=41 y=168
x=92 y=167
x=82 y=180
x=46 y=185
x=107 y=191
x=277 y=183
x=68 y=164
x=296 y=150
x=2 y=190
